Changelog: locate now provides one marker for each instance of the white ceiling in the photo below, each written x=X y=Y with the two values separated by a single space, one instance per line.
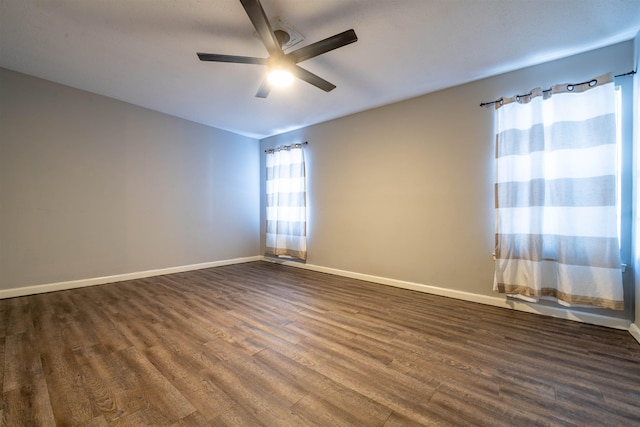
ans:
x=144 y=51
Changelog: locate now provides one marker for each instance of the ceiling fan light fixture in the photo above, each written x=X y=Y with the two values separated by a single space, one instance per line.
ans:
x=280 y=77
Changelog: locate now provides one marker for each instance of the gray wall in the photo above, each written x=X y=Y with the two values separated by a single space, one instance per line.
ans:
x=405 y=191
x=91 y=187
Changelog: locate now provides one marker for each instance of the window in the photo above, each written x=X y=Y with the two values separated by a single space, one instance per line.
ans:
x=286 y=202
x=556 y=196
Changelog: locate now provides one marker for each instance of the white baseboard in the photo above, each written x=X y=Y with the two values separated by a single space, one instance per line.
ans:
x=594 y=319
x=634 y=330
x=60 y=286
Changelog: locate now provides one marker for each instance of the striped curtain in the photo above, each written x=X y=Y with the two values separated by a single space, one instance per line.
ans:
x=555 y=194
x=286 y=203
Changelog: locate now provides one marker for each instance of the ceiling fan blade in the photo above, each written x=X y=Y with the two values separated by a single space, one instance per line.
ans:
x=264 y=89
x=323 y=46
x=311 y=78
x=263 y=28
x=231 y=58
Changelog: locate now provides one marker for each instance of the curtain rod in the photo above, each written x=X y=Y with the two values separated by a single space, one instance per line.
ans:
x=286 y=147
x=484 y=104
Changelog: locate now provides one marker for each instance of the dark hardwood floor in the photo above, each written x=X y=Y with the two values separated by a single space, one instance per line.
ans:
x=264 y=344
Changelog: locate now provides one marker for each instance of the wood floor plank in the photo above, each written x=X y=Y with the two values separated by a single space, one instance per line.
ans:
x=146 y=416
x=194 y=419
x=95 y=422
x=17 y=316
x=107 y=366
x=103 y=399
x=397 y=391
x=265 y=344
x=77 y=334
x=4 y=307
x=64 y=305
x=2 y=363
x=269 y=409
x=237 y=416
x=138 y=321
x=336 y=405
x=256 y=320
x=28 y=405
x=571 y=414
x=185 y=372
x=104 y=328
x=160 y=392
x=61 y=371
x=396 y=420
x=22 y=365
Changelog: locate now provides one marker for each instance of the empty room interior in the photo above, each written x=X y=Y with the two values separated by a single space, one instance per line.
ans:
x=434 y=223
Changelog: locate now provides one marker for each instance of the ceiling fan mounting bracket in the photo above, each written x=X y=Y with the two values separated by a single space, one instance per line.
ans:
x=279 y=25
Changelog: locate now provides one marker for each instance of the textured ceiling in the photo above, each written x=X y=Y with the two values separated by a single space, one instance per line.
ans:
x=144 y=51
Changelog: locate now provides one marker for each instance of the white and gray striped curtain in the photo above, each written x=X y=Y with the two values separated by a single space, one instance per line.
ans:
x=555 y=195
x=286 y=203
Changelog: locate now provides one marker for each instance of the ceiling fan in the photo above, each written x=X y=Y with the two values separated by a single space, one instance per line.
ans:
x=278 y=61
